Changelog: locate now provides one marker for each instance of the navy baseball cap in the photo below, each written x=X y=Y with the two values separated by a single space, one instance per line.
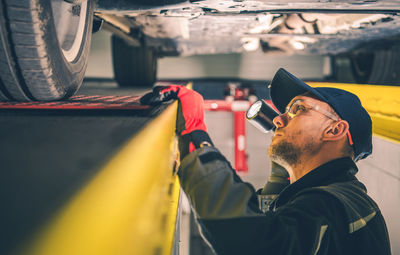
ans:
x=285 y=86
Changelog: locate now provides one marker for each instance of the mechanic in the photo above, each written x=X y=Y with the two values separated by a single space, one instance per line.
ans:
x=324 y=210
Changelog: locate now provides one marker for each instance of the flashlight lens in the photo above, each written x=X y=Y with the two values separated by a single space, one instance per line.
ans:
x=253 y=110
x=262 y=116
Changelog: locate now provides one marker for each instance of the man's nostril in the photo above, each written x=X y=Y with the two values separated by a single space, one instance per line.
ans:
x=278 y=121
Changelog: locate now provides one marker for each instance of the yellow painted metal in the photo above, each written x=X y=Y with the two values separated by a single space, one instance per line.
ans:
x=172 y=216
x=130 y=207
x=382 y=103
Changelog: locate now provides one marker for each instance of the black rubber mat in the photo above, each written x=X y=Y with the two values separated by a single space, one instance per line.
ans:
x=85 y=102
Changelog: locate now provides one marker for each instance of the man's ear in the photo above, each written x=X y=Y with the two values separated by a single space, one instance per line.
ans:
x=336 y=131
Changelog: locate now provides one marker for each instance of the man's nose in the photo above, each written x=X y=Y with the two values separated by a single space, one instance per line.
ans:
x=280 y=121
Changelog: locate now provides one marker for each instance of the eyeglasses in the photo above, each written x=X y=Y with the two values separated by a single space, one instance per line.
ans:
x=298 y=107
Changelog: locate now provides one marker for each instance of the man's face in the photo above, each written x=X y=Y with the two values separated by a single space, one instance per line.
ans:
x=300 y=134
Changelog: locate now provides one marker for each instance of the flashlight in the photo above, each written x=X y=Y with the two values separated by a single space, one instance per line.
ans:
x=260 y=114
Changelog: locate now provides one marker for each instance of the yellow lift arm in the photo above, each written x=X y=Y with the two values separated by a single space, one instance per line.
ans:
x=382 y=103
x=130 y=207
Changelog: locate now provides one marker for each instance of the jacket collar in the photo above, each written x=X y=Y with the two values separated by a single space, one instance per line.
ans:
x=337 y=170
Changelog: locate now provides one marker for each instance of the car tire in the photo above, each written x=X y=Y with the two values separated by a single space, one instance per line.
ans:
x=44 y=48
x=133 y=66
x=366 y=66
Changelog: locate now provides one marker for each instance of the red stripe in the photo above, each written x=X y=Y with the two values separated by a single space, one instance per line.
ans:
x=83 y=107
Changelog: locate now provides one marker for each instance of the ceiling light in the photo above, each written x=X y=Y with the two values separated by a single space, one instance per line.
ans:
x=297 y=45
x=250 y=43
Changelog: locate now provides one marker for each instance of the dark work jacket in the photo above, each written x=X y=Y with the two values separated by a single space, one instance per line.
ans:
x=327 y=211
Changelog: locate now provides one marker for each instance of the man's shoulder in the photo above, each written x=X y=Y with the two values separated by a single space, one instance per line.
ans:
x=350 y=194
x=347 y=198
x=347 y=192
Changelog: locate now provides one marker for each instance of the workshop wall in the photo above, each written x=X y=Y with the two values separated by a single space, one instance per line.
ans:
x=249 y=65
x=380 y=173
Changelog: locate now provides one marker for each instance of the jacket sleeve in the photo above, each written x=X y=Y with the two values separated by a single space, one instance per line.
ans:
x=213 y=187
x=227 y=211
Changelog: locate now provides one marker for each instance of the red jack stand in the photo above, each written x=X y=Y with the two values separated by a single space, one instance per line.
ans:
x=239 y=132
x=238 y=100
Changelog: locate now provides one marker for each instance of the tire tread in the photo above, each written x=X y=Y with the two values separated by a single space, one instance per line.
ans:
x=30 y=74
x=386 y=67
x=133 y=66
x=13 y=79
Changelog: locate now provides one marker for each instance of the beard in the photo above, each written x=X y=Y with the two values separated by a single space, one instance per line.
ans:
x=289 y=154
x=284 y=153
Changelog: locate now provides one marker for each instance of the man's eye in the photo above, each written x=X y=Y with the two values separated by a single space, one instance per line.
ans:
x=298 y=109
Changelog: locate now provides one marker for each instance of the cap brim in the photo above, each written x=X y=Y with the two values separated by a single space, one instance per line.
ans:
x=285 y=86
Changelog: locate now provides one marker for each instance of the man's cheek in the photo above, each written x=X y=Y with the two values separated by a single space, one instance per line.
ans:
x=293 y=136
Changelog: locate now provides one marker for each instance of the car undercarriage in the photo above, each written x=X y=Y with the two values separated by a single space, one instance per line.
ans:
x=44 y=45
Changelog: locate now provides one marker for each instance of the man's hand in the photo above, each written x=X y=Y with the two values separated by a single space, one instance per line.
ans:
x=190 y=120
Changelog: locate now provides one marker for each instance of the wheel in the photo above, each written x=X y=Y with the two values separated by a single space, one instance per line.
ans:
x=366 y=66
x=133 y=66
x=44 y=48
x=362 y=64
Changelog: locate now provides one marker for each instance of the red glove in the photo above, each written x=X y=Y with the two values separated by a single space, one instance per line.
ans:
x=190 y=120
x=192 y=109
